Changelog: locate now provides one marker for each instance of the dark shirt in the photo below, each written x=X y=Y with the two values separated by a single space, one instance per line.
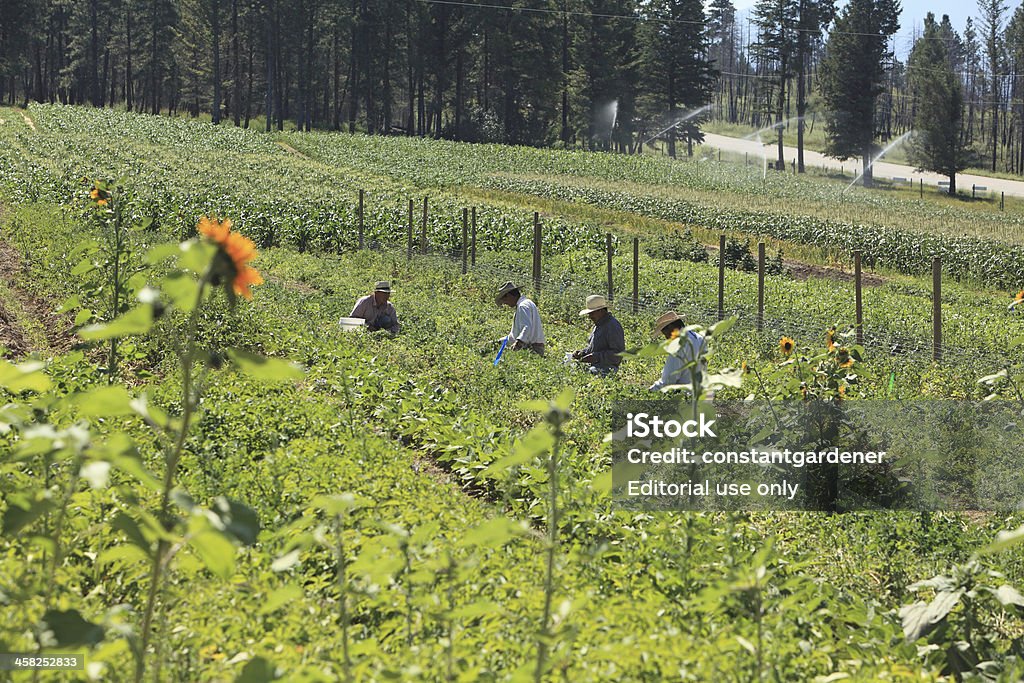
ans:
x=606 y=342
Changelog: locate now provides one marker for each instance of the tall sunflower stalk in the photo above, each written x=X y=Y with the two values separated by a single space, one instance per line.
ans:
x=229 y=268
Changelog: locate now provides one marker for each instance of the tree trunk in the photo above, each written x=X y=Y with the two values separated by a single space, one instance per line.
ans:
x=353 y=78
x=565 y=73
x=801 y=110
x=95 y=94
x=128 y=82
x=269 y=59
x=236 y=71
x=215 y=28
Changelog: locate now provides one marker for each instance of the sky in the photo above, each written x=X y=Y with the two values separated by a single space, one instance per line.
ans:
x=912 y=17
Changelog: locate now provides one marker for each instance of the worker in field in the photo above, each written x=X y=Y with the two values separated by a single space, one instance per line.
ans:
x=607 y=340
x=527 y=330
x=376 y=310
x=687 y=365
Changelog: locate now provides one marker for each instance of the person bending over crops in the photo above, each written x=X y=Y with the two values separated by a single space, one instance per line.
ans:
x=607 y=340
x=527 y=330
x=687 y=363
x=376 y=310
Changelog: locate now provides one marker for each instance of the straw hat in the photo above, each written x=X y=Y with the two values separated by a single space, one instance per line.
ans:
x=505 y=289
x=595 y=302
x=382 y=286
x=664 y=321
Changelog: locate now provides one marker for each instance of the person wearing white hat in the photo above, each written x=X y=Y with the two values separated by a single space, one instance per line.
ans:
x=607 y=340
x=527 y=330
x=376 y=310
x=686 y=364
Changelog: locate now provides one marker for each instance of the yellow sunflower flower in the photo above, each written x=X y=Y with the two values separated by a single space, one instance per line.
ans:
x=237 y=249
x=786 y=345
x=830 y=337
x=843 y=357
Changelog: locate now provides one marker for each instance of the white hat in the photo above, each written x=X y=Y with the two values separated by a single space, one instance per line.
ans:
x=595 y=302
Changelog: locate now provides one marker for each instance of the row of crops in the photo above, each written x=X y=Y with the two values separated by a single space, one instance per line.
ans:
x=433 y=584
x=304 y=194
x=180 y=169
x=702 y=180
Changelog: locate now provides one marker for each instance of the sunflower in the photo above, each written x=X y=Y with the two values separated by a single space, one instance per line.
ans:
x=830 y=337
x=237 y=251
x=843 y=357
x=786 y=345
x=745 y=368
x=100 y=196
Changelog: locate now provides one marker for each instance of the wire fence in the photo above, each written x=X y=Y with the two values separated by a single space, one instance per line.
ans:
x=803 y=327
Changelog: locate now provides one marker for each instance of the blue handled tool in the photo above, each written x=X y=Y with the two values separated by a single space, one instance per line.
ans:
x=504 y=343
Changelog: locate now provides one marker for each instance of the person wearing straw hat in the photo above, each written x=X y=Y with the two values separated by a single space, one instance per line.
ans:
x=687 y=363
x=376 y=310
x=527 y=330
x=607 y=340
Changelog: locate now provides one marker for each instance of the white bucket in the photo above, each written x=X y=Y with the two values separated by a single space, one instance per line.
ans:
x=350 y=324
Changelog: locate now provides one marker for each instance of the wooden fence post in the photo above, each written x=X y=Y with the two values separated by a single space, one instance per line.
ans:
x=473 y=253
x=360 y=219
x=636 y=274
x=408 y=251
x=465 y=238
x=760 y=286
x=423 y=230
x=536 y=253
x=858 y=297
x=1002 y=200
x=608 y=242
x=922 y=187
x=721 y=276
x=937 y=309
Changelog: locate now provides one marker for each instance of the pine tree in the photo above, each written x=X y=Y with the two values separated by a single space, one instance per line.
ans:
x=677 y=74
x=992 y=12
x=776 y=43
x=936 y=143
x=812 y=17
x=853 y=76
x=603 y=82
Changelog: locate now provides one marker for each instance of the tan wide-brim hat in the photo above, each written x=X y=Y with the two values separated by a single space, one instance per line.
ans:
x=505 y=289
x=595 y=302
x=664 y=321
x=382 y=286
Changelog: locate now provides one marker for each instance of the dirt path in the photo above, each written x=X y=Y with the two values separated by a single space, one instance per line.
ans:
x=291 y=150
x=31 y=124
x=800 y=271
x=27 y=322
x=882 y=169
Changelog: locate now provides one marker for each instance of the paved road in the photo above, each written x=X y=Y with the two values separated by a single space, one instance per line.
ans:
x=882 y=169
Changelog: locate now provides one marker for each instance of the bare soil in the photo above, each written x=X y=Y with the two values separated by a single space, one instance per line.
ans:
x=800 y=271
x=18 y=340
